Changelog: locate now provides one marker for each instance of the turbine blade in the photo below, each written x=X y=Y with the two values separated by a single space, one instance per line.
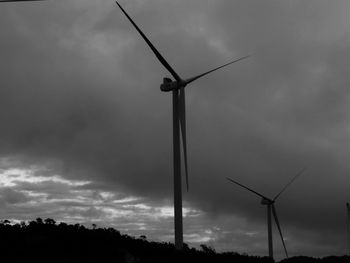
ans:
x=210 y=71
x=155 y=51
x=233 y=181
x=182 y=107
x=279 y=228
x=286 y=186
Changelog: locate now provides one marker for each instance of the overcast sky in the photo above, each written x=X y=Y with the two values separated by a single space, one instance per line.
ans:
x=86 y=133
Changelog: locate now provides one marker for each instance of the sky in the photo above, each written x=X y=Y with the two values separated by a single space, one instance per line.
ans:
x=86 y=133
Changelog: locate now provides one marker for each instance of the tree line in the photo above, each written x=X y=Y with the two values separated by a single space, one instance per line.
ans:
x=47 y=241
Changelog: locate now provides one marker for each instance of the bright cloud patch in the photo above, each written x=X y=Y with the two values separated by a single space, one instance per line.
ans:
x=13 y=176
x=26 y=195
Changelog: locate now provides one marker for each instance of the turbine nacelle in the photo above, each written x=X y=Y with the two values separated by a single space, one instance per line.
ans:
x=265 y=201
x=170 y=85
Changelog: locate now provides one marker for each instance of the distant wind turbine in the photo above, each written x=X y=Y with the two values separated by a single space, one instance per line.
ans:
x=270 y=203
x=179 y=122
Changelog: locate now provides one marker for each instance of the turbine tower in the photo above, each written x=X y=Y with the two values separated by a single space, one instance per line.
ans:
x=177 y=87
x=270 y=204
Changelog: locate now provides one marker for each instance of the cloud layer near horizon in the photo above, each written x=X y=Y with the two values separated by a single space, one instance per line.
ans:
x=80 y=96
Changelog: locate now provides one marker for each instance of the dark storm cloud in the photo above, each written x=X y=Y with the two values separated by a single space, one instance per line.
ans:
x=80 y=95
x=10 y=196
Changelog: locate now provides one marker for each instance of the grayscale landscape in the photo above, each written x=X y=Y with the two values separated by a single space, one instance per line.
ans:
x=98 y=138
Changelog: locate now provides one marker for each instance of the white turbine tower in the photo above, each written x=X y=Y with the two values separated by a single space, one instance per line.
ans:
x=270 y=203
x=179 y=126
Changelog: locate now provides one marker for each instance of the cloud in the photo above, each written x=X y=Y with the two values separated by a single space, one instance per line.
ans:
x=80 y=98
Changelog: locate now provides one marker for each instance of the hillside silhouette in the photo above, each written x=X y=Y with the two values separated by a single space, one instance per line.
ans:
x=47 y=241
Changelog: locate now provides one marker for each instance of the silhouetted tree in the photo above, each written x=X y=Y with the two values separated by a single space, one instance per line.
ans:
x=50 y=221
x=39 y=221
x=5 y=222
x=23 y=224
x=207 y=249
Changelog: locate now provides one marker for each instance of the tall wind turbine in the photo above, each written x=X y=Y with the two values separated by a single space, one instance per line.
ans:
x=270 y=203
x=177 y=87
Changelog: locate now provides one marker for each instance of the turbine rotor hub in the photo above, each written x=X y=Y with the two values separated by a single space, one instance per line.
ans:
x=170 y=85
x=265 y=201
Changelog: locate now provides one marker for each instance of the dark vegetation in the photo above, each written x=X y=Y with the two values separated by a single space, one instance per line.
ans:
x=47 y=241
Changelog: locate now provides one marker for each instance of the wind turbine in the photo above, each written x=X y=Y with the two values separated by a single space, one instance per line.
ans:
x=270 y=203
x=179 y=125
